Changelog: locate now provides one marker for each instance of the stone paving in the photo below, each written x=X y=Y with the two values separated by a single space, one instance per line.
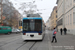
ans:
x=64 y=42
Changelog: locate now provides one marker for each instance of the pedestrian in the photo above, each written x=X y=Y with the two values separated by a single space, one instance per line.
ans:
x=65 y=30
x=61 y=31
x=54 y=36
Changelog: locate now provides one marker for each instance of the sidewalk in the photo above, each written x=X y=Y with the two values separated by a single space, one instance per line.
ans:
x=64 y=42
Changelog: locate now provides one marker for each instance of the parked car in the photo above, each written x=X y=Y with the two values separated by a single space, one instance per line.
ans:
x=20 y=30
x=15 y=31
x=5 y=30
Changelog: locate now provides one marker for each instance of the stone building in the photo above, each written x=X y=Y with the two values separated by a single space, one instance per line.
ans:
x=66 y=15
x=53 y=18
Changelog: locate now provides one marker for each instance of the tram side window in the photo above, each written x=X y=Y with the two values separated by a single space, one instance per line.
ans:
x=25 y=25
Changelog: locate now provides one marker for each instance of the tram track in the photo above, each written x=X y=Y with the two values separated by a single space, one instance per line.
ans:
x=26 y=45
x=29 y=47
x=7 y=43
x=22 y=45
x=32 y=45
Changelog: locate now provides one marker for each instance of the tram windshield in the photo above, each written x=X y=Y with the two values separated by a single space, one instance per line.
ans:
x=32 y=25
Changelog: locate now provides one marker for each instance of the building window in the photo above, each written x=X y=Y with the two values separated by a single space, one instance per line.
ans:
x=70 y=18
x=56 y=16
x=66 y=20
x=73 y=9
x=60 y=22
x=74 y=18
x=0 y=6
x=56 y=11
x=70 y=4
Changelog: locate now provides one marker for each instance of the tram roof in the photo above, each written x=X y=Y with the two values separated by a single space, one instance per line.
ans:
x=32 y=18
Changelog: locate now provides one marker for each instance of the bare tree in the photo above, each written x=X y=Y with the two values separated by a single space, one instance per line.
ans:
x=28 y=8
x=11 y=15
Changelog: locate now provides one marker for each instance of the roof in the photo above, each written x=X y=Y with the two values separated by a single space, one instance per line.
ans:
x=32 y=18
x=33 y=15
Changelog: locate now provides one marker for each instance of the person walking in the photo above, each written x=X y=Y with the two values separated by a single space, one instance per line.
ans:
x=65 y=30
x=61 y=31
x=54 y=36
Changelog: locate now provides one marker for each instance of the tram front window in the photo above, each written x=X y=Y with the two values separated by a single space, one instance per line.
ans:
x=32 y=25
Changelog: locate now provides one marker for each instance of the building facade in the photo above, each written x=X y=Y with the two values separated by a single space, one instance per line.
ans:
x=66 y=15
x=53 y=18
x=48 y=24
x=12 y=16
x=2 y=3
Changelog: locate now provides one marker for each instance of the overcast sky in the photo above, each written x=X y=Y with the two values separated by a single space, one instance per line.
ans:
x=41 y=4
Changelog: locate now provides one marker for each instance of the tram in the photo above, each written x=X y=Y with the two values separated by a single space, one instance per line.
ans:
x=33 y=28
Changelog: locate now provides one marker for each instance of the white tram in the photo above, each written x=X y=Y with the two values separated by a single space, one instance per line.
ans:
x=33 y=28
